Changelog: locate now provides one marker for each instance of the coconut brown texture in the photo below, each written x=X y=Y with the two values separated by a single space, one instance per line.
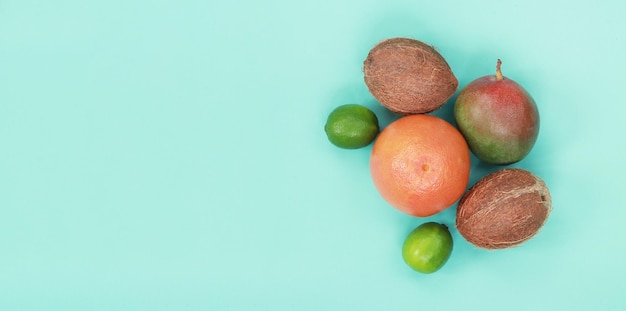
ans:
x=408 y=76
x=504 y=209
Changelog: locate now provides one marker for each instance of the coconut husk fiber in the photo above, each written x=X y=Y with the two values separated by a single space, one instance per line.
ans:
x=408 y=76
x=503 y=209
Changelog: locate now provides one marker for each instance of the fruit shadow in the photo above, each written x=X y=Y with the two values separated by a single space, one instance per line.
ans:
x=384 y=115
x=446 y=111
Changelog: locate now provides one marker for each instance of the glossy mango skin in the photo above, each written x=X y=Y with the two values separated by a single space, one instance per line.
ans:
x=498 y=118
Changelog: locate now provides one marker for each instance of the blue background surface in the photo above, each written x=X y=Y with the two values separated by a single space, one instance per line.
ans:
x=170 y=155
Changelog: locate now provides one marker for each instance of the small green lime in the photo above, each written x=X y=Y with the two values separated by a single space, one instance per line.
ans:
x=351 y=126
x=428 y=247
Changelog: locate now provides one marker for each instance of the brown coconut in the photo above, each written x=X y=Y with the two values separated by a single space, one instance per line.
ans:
x=503 y=209
x=408 y=76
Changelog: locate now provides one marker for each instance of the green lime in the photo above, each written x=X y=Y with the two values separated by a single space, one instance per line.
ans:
x=351 y=126
x=428 y=247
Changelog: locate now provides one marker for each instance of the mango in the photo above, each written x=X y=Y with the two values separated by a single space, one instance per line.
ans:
x=498 y=118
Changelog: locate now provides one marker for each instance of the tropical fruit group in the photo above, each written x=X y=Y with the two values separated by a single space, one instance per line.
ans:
x=420 y=163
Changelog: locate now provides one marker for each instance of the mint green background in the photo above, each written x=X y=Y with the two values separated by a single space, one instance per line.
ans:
x=170 y=155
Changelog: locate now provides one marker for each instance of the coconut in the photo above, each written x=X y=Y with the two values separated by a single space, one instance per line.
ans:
x=408 y=76
x=503 y=209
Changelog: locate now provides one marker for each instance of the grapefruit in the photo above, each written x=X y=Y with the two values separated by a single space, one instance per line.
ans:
x=420 y=164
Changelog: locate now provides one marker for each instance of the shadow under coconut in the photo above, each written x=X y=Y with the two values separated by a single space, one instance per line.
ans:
x=384 y=115
x=446 y=111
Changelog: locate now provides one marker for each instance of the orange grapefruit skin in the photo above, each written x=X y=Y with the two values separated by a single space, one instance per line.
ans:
x=420 y=164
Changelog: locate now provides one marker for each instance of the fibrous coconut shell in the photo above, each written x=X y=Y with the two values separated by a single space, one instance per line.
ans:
x=504 y=209
x=408 y=76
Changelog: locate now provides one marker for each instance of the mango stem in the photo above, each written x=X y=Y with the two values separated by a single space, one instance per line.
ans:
x=498 y=71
